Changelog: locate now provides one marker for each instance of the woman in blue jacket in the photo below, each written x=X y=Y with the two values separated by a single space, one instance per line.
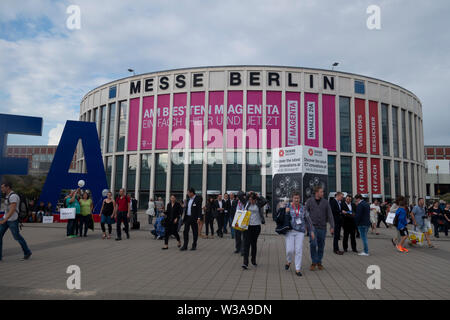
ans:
x=402 y=223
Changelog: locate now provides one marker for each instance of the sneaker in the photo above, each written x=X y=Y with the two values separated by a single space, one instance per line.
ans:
x=363 y=254
x=404 y=249
x=27 y=256
x=399 y=248
x=244 y=266
x=298 y=273
x=287 y=266
x=313 y=267
x=118 y=239
x=319 y=266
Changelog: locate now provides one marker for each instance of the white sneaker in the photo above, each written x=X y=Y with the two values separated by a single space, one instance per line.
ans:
x=363 y=254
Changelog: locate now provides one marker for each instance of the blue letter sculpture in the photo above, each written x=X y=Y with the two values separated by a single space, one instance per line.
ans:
x=16 y=125
x=59 y=177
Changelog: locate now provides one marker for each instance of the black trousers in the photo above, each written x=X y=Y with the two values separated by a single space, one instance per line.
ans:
x=382 y=218
x=84 y=221
x=104 y=229
x=250 y=242
x=171 y=229
x=349 y=231
x=209 y=222
x=337 y=234
x=238 y=240
x=121 y=217
x=190 y=223
x=220 y=223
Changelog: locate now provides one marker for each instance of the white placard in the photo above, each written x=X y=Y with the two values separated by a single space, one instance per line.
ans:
x=67 y=213
x=390 y=218
x=47 y=219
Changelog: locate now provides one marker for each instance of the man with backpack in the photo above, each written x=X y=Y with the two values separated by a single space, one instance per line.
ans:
x=11 y=220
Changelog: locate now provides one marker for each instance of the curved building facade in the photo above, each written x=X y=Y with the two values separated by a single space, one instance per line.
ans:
x=213 y=128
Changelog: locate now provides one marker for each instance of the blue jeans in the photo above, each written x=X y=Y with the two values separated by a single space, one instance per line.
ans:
x=363 y=232
x=317 y=245
x=230 y=222
x=70 y=227
x=14 y=227
x=226 y=218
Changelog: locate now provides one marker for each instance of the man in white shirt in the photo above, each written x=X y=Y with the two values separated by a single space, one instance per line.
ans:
x=375 y=211
x=11 y=220
x=192 y=213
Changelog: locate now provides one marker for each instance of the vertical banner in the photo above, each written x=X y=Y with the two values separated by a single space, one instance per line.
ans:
x=373 y=128
x=254 y=119
x=315 y=170
x=273 y=119
x=293 y=129
x=215 y=119
x=375 y=176
x=147 y=122
x=133 y=124
x=311 y=119
x=197 y=113
x=329 y=122
x=360 y=125
x=179 y=121
x=235 y=119
x=162 y=121
x=361 y=175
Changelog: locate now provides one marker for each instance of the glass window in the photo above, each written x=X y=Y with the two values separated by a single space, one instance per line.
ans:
x=144 y=181
x=411 y=140
x=119 y=173
x=102 y=127
x=405 y=178
x=413 y=181
x=195 y=174
x=395 y=131
x=398 y=190
x=344 y=122
x=122 y=129
x=385 y=128
x=234 y=171
x=161 y=162
x=360 y=87
x=112 y=92
x=177 y=174
x=253 y=172
x=415 y=138
x=214 y=171
x=346 y=175
x=95 y=117
x=405 y=151
x=109 y=170
x=387 y=179
x=332 y=173
x=112 y=122
x=131 y=172
x=269 y=175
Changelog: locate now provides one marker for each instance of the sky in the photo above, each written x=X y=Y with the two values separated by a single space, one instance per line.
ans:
x=46 y=68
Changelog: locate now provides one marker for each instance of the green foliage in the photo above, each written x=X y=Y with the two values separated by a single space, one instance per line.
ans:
x=445 y=197
x=28 y=186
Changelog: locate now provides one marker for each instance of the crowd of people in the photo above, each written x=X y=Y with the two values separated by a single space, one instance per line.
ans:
x=348 y=218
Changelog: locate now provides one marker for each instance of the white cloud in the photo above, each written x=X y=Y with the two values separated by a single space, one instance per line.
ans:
x=54 y=134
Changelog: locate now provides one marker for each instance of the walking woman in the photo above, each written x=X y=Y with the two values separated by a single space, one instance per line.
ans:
x=173 y=214
x=300 y=223
x=86 y=207
x=151 y=211
x=106 y=212
x=254 y=205
x=209 y=217
x=436 y=214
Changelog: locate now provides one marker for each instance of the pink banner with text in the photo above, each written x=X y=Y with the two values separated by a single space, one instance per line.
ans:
x=254 y=119
x=273 y=119
x=133 y=125
x=179 y=121
x=147 y=122
x=235 y=119
x=311 y=119
x=162 y=121
x=329 y=122
x=293 y=129
x=215 y=119
x=197 y=113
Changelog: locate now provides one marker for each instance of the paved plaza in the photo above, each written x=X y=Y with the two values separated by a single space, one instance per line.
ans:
x=139 y=269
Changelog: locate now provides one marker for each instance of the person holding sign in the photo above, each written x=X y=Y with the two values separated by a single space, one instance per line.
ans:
x=72 y=202
x=300 y=223
x=11 y=220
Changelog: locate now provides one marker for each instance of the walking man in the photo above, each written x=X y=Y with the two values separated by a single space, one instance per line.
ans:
x=363 y=222
x=11 y=220
x=220 y=211
x=122 y=214
x=192 y=213
x=336 y=208
x=320 y=214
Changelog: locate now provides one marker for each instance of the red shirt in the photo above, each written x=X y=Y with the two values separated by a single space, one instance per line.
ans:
x=123 y=203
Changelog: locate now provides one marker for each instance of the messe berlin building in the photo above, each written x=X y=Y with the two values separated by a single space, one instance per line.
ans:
x=154 y=145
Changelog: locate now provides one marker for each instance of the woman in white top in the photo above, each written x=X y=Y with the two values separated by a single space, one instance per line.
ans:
x=151 y=211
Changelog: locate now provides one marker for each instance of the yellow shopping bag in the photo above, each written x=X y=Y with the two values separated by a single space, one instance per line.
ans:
x=241 y=220
x=416 y=238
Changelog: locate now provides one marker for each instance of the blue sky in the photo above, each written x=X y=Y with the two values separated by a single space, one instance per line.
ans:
x=45 y=68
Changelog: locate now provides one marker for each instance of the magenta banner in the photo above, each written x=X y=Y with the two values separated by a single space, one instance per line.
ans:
x=147 y=122
x=293 y=128
x=273 y=119
x=197 y=113
x=254 y=119
x=329 y=122
x=235 y=119
x=215 y=119
x=133 y=124
x=311 y=119
x=179 y=121
x=162 y=121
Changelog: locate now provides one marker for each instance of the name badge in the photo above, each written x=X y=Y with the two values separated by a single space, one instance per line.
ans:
x=298 y=220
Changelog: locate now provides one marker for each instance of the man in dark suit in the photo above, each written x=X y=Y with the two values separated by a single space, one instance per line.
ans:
x=336 y=208
x=192 y=213
x=220 y=209
x=348 y=213
x=232 y=207
x=226 y=215
x=362 y=220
